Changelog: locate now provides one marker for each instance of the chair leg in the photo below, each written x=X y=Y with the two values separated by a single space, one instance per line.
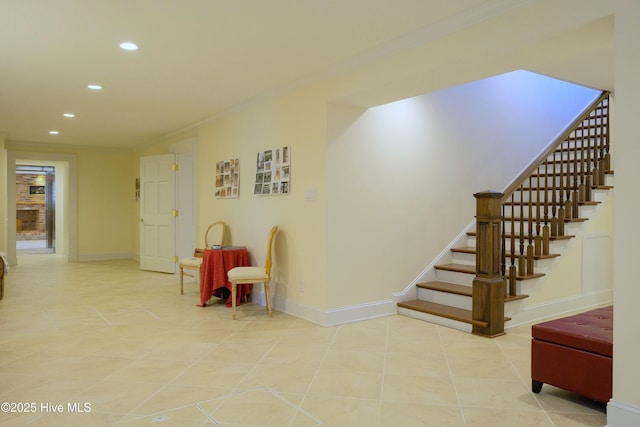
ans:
x=234 y=291
x=181 y=280
x=267 y=294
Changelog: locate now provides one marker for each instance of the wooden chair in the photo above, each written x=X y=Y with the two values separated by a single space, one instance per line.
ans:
x=252 y=275
x=215 y=235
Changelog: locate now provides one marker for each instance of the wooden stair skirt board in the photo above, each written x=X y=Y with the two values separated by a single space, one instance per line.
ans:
x=444 y=311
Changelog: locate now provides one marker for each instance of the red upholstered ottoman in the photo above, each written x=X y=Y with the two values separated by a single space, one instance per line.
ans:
x=575 y=353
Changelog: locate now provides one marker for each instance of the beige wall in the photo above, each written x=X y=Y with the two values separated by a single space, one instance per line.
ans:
x=105 y=198
x=624 y=409
x=3 y=197
x=307 y=279
x=298 y=121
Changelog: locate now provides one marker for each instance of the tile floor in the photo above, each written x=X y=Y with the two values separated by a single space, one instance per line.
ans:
x=29 y=247
x=126 y=344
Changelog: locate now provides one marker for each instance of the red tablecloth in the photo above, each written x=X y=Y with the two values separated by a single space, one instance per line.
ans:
x=213 y=273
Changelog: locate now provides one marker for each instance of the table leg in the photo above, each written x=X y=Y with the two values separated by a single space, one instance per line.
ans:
x=234 y=291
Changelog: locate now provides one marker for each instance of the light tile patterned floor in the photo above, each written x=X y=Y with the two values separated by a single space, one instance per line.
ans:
x=126 y=343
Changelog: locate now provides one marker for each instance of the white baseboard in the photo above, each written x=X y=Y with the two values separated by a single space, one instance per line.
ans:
x=336 y=316
x=539 y=312
x=620 y=414
x=104 y=257
x=354 y=313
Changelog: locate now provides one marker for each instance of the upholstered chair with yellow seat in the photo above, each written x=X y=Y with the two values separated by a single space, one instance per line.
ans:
x=215 y=235
x=254 y=275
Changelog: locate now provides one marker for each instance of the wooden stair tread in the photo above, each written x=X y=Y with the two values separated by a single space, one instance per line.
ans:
x=447 y=287
x=526 y=237
x=459 y=268
x=533 y=205
x=509 y=298
x=517 y=236
x=462 y=290
x=453 y=313
x=509 y=219
x=527 y=277
x=544 y=188
x=472 y=250
x=547 y=256
x=471 y=269
x=465 y=249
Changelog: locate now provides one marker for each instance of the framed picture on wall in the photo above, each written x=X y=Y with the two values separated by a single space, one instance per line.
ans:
x=36 y=189
x=227 y=179
x=273 y=172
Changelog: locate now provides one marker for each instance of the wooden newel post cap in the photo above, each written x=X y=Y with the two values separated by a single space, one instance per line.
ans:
x=488 y=204
x=489 y=194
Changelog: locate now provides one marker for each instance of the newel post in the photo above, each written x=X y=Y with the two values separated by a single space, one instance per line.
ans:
x=488 y=285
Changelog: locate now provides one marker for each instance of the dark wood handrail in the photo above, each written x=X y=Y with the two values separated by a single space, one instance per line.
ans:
x=515 y=184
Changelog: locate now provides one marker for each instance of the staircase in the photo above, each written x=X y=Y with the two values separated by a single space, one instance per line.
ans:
x=522 y=231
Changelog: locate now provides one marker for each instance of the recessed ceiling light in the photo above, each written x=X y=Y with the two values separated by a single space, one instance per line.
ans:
x=70 y=115
x=128 y=46
x=54 y=132
x=94 y=87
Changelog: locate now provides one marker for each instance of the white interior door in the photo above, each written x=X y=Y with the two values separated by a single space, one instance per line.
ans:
x=157 y=220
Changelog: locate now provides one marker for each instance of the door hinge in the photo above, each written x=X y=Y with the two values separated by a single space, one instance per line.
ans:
x=175 y=167
x=175 y=212
x=175 y=258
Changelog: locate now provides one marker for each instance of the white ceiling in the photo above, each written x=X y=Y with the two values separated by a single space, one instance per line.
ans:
x=197 y=58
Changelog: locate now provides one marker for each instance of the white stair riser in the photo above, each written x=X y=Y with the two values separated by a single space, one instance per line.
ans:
x=454 y=277
x=464 y=258
x=445 y=298
x=454 y=324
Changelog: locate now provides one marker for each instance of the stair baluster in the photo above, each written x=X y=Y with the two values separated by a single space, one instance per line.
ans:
x=538 y=239
x=545 y=228
x=522 y=259
x=597 y=152
x=607 y=156
x=575 y=196
x=511 y=288
x=554 y=201
x=568 y=207
x=582 y=192
x=561 y=210
x=587 y=149
x=530 y=249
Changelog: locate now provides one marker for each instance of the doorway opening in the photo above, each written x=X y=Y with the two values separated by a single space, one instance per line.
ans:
x=66 y=198
x=35 y=209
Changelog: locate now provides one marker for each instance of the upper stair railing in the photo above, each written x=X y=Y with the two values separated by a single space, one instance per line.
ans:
x=515 y=227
